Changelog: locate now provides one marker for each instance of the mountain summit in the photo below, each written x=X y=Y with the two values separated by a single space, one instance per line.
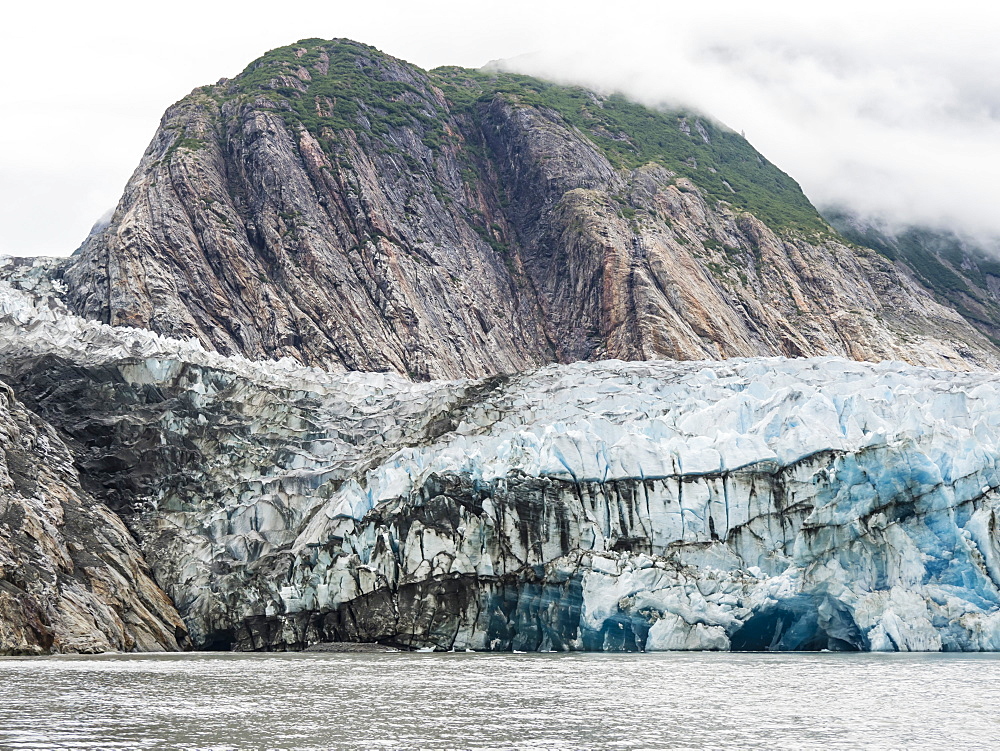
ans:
x=350 y=210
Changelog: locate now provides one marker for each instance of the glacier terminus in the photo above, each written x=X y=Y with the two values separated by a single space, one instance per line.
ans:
x=748 y=504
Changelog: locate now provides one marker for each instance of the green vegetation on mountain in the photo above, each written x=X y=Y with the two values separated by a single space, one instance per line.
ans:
x=360 y=89
x=353 y=92
x=720 y=162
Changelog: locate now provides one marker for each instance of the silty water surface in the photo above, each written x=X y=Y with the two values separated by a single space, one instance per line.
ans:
x=499 y=701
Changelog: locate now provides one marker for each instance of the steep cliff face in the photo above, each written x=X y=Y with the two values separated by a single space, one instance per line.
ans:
x=963 y=273
x=347 y=248
x=72 y=579
x=754 y=504
x=351 y=211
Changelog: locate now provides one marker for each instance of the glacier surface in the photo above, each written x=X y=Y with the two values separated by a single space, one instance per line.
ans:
x=746 y=504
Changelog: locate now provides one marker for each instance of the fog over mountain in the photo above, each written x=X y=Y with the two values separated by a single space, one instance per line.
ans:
x=884 y=109
x=887 y=117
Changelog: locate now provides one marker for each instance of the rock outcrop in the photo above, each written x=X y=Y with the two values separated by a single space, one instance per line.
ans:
x=349 y=210
x=753 y=504
x=72 y=579
x=962 y=272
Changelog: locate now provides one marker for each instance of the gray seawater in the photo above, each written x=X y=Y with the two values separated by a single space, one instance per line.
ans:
x=494 y=701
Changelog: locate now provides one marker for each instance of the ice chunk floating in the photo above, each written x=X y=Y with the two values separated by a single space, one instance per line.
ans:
x=749 y=504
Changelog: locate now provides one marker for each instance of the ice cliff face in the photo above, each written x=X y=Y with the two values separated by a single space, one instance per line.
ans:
x=344 y=208
x=749 y=504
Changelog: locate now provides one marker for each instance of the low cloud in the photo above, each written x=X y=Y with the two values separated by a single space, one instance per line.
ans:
x=885 y=108
x=885 y=115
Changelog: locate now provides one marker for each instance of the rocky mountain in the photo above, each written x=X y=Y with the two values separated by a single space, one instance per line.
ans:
x=755 y=504
x=962 y=273
x=347 y=209
x=375 y=226
x=72 y=579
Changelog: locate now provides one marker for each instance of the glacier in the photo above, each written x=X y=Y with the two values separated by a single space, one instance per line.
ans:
x=751 y=504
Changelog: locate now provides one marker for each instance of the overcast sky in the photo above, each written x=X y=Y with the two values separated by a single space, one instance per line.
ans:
x=890 y=109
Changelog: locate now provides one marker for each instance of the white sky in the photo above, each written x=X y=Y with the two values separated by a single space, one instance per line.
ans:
x=891 y=108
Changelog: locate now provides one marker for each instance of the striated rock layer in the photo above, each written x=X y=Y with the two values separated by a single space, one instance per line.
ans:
x=72 y=579
x=752 y=504
x=349 y=210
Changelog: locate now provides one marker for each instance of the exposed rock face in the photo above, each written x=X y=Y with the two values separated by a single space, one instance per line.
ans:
x=258 y=240
x=351 y=211
x=963 y=273
x=767 y=503
x=72 y=579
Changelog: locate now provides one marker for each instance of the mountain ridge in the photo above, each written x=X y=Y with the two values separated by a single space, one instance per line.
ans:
x=963 y=272
x=347 y=209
